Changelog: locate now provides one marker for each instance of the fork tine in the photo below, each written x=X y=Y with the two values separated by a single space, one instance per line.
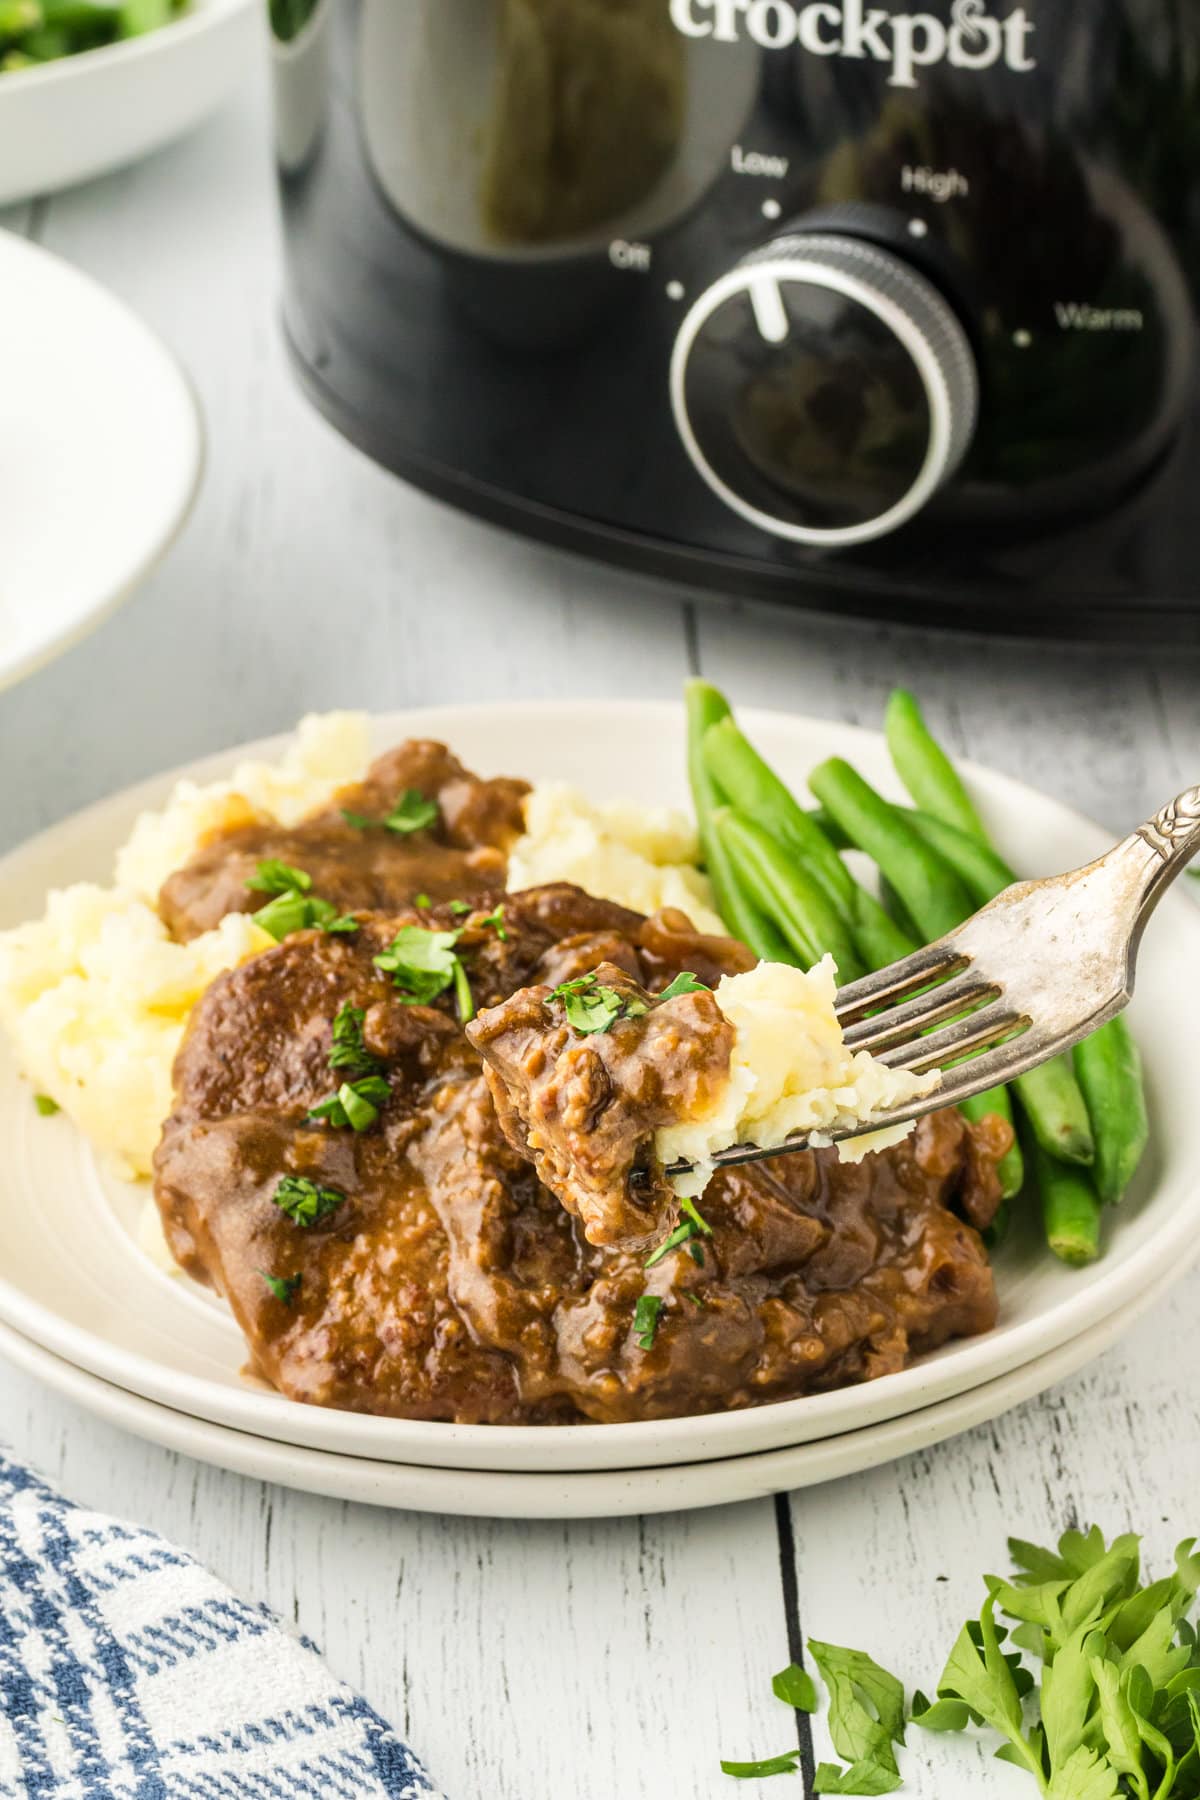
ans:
x=934 y=963
x=982 y=1030
x=902 y=1023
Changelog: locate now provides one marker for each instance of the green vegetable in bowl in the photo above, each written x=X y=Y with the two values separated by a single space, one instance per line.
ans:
x=41 y=31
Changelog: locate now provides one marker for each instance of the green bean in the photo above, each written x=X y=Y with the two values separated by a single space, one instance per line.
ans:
x=932 y=893
x=897 y=912
x=754 y=789
x=705 y=706
x=826 y=823
x=1070 y=1208
x=877 y=938
x=1107 y=1071
x=1108 y=1067
x=979 y=868
x=794 y=897
x=924 y=767
x=938 y=900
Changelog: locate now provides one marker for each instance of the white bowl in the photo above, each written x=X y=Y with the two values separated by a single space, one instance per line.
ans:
x=101 y=449
x=73 y=1280
x=67 y=120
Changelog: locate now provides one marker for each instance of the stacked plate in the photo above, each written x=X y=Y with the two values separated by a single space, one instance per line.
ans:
x=82 y=1307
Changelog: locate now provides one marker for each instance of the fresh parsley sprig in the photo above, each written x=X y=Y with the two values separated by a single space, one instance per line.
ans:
x=412 y=812
x=1110 y=1709
x=306 y=1202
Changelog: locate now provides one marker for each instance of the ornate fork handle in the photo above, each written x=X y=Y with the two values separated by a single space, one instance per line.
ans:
x=1173 y=837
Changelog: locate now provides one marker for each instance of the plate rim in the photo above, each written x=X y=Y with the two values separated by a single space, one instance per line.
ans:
x=575 y=1494
x=442 y=1444
x=47 y=649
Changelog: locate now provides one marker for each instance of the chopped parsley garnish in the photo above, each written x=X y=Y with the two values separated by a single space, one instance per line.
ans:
x=682 y=1234
x=46 y=1106
x=645 y=1319
x=496 y=920
x=693 y=1213
x=348 y=1051
x=423 y=964
x=295 y=911
x=412 y=812
x=590 y=1007
x=275 y=877
x=695 y=1298
x=356 y=1104
x=422 y=901
x=284 y=1287
x=787 y=1764
x=684 y=983
x=305 y=1202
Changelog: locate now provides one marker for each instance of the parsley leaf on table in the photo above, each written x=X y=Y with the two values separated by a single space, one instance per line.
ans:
x=795 y=1687
x=787 y=1764
x=866 y=1718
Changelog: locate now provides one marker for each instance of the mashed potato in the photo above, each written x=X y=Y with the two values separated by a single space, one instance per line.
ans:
x=790 y=1072
x=328 y=751
x=95 y=994
x=641 y=857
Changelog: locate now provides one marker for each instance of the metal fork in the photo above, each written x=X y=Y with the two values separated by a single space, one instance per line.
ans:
x=1041 y=966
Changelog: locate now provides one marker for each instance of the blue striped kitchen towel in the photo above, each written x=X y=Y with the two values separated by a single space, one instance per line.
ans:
x=128 y=1672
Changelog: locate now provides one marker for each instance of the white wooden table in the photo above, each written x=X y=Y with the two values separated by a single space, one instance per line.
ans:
x=553 y=1661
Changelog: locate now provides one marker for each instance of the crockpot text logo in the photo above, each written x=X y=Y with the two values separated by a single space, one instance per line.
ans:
x=908 y=41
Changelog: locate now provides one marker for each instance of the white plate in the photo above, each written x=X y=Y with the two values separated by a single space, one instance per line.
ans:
x=481 y=1493
x=67 y=120
x=100 y=454
x=74 y=1281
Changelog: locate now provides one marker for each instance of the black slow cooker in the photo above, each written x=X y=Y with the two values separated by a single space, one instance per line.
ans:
x=885 y=311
